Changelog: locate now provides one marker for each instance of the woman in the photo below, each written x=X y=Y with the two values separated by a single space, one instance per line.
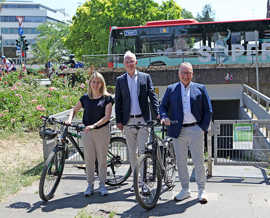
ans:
x=97 y=105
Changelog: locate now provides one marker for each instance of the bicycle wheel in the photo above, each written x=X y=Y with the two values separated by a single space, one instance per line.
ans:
x=147 y=181
x=51 y=173
x=170 y=166
x=118 y=167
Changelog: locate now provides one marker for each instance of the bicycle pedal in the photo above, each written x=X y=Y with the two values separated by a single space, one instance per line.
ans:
x=145 y=193
x=80 y=167
x=170 y=186
x=51 y=196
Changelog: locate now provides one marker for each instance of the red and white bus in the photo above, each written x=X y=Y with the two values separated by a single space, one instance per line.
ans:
x=170 y=42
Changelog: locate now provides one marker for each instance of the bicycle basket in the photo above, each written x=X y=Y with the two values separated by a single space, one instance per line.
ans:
x=47 y=133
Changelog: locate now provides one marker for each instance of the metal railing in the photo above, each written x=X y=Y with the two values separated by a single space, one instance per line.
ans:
x=241 y=142
x=260 y=98
x=194 y=56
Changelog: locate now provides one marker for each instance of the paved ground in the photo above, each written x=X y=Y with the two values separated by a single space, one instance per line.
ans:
x=234 y=192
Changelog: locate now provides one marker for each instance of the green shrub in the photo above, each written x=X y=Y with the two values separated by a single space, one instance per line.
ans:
x=23 y=101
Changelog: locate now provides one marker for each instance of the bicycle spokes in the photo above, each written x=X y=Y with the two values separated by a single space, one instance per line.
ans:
x=147 y=181
x=118 y=169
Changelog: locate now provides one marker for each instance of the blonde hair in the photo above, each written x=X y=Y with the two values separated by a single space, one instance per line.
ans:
x=103 y=88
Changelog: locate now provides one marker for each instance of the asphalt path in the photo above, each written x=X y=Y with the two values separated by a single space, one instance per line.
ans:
x=233 y=192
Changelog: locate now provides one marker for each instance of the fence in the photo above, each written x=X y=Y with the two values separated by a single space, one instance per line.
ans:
x=241 y=142
x=194 y=56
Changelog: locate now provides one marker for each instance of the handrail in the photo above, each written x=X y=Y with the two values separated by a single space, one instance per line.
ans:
x=181 y=52
x=254 y=94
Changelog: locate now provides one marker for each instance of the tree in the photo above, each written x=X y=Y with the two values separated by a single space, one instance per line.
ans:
x=186 y=14
x=169 y=10
x=208 y=14
x=50 y=42
x=89 y=32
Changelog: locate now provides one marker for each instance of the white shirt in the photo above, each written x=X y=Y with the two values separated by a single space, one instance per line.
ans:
x=188 y=116
x=133 y=91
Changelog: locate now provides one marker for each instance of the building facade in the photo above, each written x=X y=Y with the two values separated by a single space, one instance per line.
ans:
x=268 y=9
x=33 y=14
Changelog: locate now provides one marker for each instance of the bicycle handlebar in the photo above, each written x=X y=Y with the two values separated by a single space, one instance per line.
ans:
x=52 y=120
x=151 y=123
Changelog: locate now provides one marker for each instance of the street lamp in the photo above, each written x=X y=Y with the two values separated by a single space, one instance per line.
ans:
x=1 y=38
x=257 y=67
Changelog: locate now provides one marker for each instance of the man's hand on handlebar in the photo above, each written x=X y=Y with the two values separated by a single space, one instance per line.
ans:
x=166 y=121
x=119 y=126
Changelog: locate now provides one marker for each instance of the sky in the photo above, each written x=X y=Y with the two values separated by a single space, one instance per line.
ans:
x=224 y=9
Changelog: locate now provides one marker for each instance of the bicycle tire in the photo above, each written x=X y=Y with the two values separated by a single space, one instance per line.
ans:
x=170 y=166
x=145 y=177
x=119 y=168
x=51 y=173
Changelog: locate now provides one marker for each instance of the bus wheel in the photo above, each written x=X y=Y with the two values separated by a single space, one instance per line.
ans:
x=157 y=63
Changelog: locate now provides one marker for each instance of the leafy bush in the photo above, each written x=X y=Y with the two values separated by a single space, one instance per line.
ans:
x=23 y=100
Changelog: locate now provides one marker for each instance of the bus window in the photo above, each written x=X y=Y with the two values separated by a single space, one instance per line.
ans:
x=236 y=38
x=191 y=42
x=265 y=37
x=156 y=44
x=121 y=45
x=221 y=39
x=187 y=39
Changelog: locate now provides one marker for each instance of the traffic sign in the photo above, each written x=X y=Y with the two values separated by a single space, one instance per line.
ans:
x=20 y=31
x=18 y=52
x=20 y=19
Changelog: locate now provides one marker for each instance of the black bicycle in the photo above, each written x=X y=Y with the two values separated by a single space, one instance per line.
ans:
x=156 y=164
x=117 y=169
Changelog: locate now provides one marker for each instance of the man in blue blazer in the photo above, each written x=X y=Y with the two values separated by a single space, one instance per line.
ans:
x=133 y=91
x=189 y=104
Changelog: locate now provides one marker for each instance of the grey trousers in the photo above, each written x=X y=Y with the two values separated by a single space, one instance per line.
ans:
x=136 y=140
x=191 y=138
x=96 y=144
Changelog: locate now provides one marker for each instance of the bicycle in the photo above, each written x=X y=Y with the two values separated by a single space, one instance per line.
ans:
x=156 y=164
x=118 y=171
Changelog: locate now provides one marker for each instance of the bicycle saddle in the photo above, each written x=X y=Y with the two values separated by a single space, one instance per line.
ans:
x=47 y=133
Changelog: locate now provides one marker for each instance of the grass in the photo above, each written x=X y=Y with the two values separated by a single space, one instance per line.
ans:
x=84 y=214
x=19 y=167
x=12 y=180
x=268 y=170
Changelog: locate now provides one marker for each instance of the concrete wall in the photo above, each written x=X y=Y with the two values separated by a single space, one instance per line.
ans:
x=210 y=75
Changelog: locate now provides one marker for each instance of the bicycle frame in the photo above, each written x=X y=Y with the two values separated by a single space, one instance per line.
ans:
x=157 y=150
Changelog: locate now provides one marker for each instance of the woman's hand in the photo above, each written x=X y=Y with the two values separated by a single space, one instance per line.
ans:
x=120 y=126
x=68 y=122
x=88 y=128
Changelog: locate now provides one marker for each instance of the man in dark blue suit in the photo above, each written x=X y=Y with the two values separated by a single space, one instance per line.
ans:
x=133 y=91
x=189 y=104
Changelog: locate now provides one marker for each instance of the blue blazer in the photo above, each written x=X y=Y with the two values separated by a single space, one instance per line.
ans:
x=171 y=107
x=145 y=92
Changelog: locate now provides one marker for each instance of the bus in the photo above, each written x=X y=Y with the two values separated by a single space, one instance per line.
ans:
x=170 y=42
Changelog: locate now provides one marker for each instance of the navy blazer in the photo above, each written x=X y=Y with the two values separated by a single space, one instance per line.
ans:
x=171 y=107
x=145 y=92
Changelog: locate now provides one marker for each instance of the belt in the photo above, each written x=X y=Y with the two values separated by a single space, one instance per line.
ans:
x=189 y=124
x=135 y=115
